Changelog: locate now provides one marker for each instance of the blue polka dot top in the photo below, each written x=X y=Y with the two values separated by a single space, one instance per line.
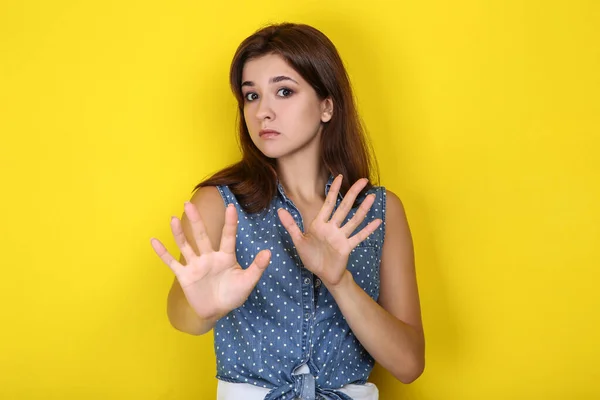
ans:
x=290 y=319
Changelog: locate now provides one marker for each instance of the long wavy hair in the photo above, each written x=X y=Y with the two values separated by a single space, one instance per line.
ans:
x=344 y=145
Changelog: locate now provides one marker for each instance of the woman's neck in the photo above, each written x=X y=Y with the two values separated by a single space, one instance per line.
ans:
x=303 y=181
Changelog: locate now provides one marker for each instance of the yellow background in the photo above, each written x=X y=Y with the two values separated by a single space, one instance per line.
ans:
x=485 y=116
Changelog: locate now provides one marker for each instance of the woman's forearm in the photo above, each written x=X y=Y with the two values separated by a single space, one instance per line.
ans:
x=395 y=345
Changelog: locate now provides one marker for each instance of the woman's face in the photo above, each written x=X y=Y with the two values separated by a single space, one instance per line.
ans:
x=282 y=111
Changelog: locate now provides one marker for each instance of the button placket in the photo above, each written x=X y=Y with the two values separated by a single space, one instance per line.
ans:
x=306 y=290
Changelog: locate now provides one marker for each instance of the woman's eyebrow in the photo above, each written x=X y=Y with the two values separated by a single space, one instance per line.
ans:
x=281 y=78
x=275 y=79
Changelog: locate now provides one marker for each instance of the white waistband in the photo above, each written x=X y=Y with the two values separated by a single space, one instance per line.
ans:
x=236 y=391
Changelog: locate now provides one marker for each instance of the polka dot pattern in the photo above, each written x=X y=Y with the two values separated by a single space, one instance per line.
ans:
x=290 y=318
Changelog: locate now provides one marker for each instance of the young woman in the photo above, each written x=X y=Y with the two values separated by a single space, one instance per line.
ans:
x=283 y=254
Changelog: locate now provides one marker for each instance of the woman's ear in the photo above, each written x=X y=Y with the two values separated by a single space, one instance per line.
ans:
x=326 y=110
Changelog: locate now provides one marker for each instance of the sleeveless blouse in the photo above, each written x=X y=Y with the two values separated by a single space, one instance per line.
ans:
x=290 y=320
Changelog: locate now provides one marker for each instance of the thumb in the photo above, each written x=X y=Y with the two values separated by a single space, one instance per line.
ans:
x=259 y=265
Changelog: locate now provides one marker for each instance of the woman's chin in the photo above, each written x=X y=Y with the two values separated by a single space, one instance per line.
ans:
x=271 y=152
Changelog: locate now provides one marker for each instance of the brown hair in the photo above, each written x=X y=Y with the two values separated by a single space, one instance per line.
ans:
x=345 y=149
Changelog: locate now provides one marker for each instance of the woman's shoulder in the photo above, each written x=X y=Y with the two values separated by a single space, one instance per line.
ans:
x=207 y=197
x=392 y=202
x=388 y=198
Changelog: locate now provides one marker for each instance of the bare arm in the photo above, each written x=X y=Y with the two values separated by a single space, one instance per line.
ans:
x=212 y=210
x=390 y=331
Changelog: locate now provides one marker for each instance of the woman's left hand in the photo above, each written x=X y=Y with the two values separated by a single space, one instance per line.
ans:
x=325 y=246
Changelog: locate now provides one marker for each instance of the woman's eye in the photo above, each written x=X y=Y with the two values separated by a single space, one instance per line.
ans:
x=250 y=96
x=284 y=92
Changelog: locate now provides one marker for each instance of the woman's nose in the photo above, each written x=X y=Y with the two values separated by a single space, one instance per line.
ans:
x=264 y=110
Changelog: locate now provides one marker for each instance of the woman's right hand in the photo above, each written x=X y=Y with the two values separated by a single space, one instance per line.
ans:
x=213 y=282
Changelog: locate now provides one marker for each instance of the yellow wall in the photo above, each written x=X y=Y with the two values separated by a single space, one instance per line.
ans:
x=486 y=119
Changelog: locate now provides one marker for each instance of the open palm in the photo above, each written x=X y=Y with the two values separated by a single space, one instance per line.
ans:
x=326 y=245
x=213 y=282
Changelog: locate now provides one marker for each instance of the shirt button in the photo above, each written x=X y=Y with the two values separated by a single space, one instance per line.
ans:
x=306 y=281
x=318 y=283
x=307 y=316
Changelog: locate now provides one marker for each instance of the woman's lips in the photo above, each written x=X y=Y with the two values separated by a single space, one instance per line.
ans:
x=267 y=133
